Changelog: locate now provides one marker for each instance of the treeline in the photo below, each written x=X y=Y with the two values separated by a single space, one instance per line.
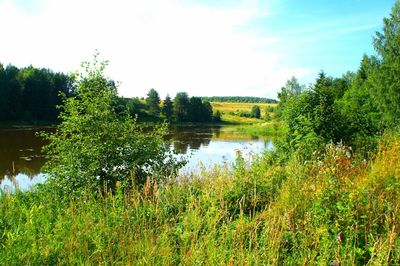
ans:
x=182 y=108
x=238 y=99
x=352 y=109
x=31 y=94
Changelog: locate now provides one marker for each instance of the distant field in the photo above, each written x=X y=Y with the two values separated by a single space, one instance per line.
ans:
x=227 y=108
x=231 y=107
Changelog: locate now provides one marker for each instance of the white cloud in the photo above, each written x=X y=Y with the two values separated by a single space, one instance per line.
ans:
x=163 y=44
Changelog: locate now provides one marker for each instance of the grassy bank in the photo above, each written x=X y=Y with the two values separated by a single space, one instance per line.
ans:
x=334 y=209
x=269 y=129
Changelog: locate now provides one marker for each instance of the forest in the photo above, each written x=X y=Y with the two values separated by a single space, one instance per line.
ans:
x=31 y=94
x=327 y=194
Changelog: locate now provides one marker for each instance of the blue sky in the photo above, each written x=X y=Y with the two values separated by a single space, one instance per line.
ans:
x=202 y=47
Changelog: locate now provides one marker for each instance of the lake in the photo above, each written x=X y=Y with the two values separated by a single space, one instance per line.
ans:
x=21 y=158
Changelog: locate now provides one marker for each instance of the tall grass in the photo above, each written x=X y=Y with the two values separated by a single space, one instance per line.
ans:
x=335 y=210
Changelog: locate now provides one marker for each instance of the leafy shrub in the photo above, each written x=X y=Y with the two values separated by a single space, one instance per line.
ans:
x=95 y=146
x=216 y=117
x=255 y=111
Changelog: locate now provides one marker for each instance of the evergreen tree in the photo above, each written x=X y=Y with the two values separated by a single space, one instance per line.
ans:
x=386 y=81
x=255 y=111
x=168 y=108
x=195 y=109
x=181 y=107
x=357 y=106
x=207 y=112
x=153 y=101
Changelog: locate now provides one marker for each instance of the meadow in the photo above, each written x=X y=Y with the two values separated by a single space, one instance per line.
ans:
x=228 y=110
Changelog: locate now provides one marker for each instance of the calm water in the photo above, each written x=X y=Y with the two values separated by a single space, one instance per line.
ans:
x=21 y=157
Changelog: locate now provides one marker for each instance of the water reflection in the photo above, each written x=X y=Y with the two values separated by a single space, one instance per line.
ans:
x=21 y=158
x=186 y=138
x=210 y=145
x=20 y=151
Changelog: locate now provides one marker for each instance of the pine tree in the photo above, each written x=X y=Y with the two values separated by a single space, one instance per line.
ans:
x=153 y=101
x=386 y=81
x=168 y=108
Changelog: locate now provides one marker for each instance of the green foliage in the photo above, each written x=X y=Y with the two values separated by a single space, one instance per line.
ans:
x=192 y=109
x=31 y=94
x=291 y=91
x=181 y=107
x=312 y=118
x=95 y=147
x=386 y=81
x=270 y=109
x=216 y=117
x=199 y=111
x=357 y=106
x=255 y=111
x=168 y=108
x=134 y=106
x=153 y=102
x=267 y=117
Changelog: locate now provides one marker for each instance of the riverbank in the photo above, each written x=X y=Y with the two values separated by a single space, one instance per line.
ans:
x=334 y=210
x=21 y=153
x=267 y=129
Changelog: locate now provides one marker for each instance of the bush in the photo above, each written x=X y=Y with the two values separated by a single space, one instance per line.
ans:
x=255 y=111
x=216 y=117
x=94 y=146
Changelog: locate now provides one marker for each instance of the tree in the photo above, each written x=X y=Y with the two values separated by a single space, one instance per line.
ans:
x=255 y=111
x=291 y=89
x=312 y=118
x=386 y=81
x=168 y=108
x=153 y=101
x=358 y=106
x=195 y=109
x=181 y=107
x=31 y=94
x=207 y=112
x=95 y=147
x=290 y=92
x=10 y=94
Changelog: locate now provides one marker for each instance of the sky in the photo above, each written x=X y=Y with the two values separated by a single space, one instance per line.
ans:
x=206 y=48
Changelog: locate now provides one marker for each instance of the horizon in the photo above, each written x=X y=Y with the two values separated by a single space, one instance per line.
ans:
x=246 y=48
